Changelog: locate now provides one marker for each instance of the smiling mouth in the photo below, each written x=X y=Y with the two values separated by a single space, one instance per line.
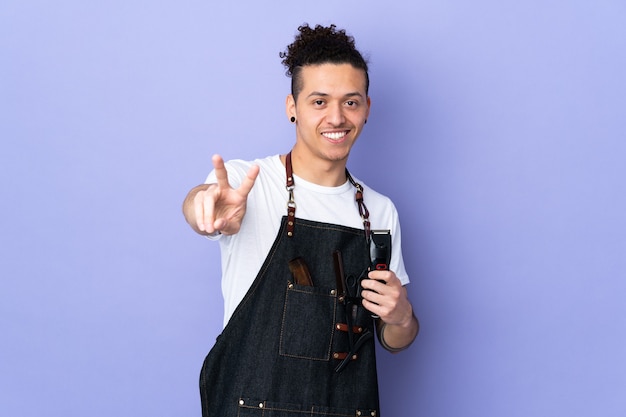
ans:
x=335 y=135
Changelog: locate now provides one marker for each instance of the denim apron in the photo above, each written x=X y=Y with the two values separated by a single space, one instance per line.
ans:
x=279 y=354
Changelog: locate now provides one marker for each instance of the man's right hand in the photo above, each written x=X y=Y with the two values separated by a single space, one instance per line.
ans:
x=218 y=208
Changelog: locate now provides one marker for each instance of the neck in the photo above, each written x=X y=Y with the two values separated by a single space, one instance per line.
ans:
x=320 y=172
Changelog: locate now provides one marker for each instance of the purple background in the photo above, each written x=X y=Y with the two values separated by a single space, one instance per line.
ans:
x=498 y=128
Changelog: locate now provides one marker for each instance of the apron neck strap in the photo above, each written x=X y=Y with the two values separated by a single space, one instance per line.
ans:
x=291 y=204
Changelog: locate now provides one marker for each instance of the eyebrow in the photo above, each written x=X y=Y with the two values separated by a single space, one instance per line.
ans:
x=347 y=95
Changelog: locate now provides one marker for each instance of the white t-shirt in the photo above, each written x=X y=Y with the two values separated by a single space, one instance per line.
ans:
x=243 y=254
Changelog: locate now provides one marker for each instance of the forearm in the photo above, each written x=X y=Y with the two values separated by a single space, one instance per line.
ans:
x=397 y=337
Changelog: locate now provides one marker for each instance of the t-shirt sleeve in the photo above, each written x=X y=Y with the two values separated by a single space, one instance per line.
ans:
x=397 y=260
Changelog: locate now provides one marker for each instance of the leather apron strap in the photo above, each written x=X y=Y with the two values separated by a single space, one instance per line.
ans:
x=291 y=204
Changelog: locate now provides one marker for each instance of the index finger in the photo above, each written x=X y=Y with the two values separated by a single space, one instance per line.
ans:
x=380 y=275
x=220 y=171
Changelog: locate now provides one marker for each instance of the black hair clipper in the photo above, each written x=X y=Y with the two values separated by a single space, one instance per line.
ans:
x=380 y=249
x=380 y=252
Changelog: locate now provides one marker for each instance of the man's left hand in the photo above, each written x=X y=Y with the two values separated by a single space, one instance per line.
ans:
x=384 y=295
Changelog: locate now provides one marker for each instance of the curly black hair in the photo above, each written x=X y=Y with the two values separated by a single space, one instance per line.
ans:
x=321 y=45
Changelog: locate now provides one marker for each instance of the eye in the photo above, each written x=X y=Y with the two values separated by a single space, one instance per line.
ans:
x=319 y=102
x=351 y=103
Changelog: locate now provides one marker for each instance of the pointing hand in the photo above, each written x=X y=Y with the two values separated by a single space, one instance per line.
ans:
x=219 y=207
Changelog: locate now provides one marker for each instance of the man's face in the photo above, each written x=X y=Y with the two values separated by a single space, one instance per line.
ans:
x=331 y=109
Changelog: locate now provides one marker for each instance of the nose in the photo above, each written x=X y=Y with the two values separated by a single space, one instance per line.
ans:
x=335 y=115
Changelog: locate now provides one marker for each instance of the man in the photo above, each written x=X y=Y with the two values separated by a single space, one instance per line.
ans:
x=295 y=233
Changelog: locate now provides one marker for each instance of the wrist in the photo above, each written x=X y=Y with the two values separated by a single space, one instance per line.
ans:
x=398 y=337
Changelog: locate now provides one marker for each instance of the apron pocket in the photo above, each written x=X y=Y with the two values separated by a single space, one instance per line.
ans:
x=308 y=323
x=253 y=408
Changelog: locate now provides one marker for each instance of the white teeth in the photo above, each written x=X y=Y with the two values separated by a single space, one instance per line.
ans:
x=334 y=135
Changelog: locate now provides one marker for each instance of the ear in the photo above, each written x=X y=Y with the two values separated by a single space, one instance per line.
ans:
x=369 y=105
x=290 y=106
